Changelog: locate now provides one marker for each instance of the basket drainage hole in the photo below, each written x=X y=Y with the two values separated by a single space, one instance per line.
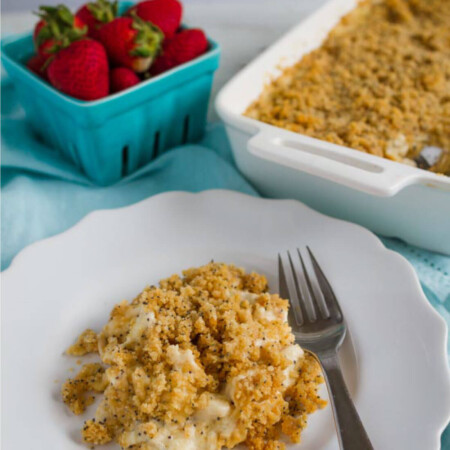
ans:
x=125 y=160
x=185 y=130
x=156 y=143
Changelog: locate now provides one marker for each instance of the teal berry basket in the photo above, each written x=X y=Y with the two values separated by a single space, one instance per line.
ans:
x=112 y=137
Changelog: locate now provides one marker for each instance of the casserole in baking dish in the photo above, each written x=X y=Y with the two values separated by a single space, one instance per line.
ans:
x=390 y=198
x=380 y=83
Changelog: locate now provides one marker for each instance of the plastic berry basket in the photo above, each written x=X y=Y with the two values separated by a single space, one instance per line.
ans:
x=112 y=137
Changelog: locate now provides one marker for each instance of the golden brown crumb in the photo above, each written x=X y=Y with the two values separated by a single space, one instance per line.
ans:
x=89 y=378
x=86 y=343
x=380 y=83
x=95 y=432
x=205 y=358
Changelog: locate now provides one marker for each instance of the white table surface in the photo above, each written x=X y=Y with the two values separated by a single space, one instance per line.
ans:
x=242 y=28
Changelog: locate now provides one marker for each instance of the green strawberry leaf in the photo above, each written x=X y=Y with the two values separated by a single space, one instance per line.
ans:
x=65 y=15
x=141 y=52
x=103 y=10
x=59 y=26
x=43 y=35
x=148 y=40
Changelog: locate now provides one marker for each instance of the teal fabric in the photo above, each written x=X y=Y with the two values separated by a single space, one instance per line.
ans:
x=43 y=195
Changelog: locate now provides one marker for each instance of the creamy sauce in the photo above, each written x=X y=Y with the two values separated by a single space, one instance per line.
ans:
x=249 y=296
x=202 y=433
x=294 y=353
x=180 y=358
x=398 y=148
x=217 y=407
x=144 y=320
x=230 y=387
x=166 y=438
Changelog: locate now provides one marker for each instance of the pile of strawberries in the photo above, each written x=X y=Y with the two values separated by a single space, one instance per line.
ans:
x=95 y=52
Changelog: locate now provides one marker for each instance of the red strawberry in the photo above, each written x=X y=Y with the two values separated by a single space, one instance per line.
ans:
x=81 y=70
x=37 y=65
x=95 y=14
x=38 y=27
x=57 y=28
x=122 y=78
x=184 y=46
x=131 y=42
x=165 y=14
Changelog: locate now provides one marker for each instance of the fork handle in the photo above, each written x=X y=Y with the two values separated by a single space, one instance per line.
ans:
x=350 y=430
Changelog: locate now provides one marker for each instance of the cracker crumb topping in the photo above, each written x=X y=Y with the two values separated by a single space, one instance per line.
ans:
x=202 y=361
x=380 y=83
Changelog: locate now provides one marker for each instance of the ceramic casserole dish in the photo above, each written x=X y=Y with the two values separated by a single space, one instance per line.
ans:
x=387 y=197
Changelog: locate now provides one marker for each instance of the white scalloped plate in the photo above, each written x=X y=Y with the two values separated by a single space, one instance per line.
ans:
x=396 y=367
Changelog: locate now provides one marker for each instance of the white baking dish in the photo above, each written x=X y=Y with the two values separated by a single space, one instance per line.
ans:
x=388 y=197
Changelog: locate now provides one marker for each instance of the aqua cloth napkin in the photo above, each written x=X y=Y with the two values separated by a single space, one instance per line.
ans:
x=43 y=195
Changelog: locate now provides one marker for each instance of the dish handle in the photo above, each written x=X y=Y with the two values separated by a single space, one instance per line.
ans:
x=335 y=163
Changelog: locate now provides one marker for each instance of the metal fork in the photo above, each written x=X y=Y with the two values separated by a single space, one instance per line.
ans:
x=320 y=328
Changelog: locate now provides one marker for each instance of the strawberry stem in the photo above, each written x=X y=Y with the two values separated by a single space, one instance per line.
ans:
x=59 y=26
x=149 y=38
x=103 y=10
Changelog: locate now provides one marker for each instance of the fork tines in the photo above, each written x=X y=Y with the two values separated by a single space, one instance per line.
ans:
x=303 y=282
